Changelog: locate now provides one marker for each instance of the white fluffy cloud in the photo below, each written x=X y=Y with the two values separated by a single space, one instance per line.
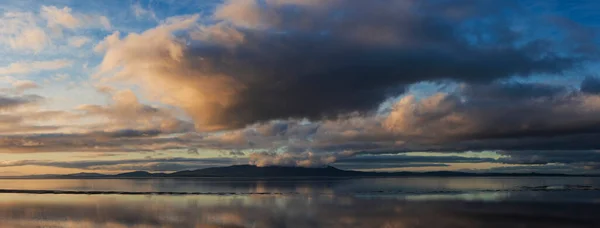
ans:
x=21 y=85
x=149 y=56
x=65 y=18
x=126 y=112
x=35 y=32
x=21 y=31
x=78 y=41
x=140 y=12
x=60 y=17
x=34 y=66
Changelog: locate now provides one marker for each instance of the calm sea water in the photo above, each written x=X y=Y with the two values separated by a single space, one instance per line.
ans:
x=375 y=202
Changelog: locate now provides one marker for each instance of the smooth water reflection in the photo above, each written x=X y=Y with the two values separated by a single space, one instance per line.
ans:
x=286 y=211
x=382 y=203
x=319 y=186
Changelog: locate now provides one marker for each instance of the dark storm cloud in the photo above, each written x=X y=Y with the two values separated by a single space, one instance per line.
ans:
x=518 y=91
x=325 y=77
x=290 y=59
x=591 y=85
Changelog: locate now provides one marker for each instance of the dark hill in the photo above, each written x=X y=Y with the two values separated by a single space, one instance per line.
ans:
x=250 y=171
x=86 y=175
x=270 y=171
x=138 y=174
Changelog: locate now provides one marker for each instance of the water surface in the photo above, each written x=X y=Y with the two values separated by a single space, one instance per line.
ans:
x=371 y=202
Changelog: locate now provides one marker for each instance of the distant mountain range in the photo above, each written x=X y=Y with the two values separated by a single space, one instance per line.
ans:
x=249 y=171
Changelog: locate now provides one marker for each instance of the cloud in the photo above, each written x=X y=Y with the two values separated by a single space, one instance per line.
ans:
x=153 y=164
x=65 y=18
x=78 y=41
x=8 y=102
x=30 y=31
x=105 y=22
x=353 y=160
x=590 y=85
x=385 y=166
x=541 y=157
x=356 y=161
x=126 y=112
x=503 y=117
x=86 y=142
x=538 y=168
x=412 y=159
x=21 y=31
x=35 y=66
x=22 y=85
x=234 y=153
x=124 y=125
x=501 y=110
x=258 y=64
x=475 y=117
x=60 y=17
x=23 y=119
x=305 y=159
x=61 y=77
x=140 y=12
x=273 y=129
x=17 y=86
x=307 y=83
x=33 y=38
x=193 y=151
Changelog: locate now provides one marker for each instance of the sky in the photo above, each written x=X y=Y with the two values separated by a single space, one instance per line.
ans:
x=385 y=85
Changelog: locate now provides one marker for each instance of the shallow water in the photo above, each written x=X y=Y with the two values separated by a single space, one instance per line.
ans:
x=373 y=202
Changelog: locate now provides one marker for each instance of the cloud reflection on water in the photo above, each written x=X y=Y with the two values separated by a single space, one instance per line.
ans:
x=328 y=203
x=280 y=212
